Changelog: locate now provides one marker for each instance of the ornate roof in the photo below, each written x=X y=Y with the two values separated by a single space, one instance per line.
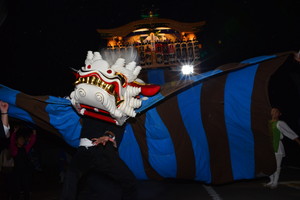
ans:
x=151 y=24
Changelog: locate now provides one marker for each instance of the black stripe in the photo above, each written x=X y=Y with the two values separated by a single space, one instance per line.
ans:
x=265 y=162
x=212 y=106
x=36 y=107
x=138 y=126
x=170 y=115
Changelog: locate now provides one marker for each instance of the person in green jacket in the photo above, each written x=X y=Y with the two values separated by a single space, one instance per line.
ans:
x=279 y=129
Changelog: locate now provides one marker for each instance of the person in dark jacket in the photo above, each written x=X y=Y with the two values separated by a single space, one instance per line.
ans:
x=98 y=152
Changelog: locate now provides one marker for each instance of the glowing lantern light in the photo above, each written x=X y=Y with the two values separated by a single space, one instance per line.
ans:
x=187 y=69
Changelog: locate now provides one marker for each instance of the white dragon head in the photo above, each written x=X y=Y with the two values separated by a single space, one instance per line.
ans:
x=109 y=92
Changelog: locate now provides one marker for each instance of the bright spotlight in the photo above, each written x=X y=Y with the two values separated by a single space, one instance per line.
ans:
x=187 y=69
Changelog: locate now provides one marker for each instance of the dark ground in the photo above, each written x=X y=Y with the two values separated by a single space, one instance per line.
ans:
x=48 y=187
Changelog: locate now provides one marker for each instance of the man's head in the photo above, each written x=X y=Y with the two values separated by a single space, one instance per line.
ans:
x=275 y=113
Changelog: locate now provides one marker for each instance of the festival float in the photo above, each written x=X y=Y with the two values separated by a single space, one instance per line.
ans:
x=160 y=42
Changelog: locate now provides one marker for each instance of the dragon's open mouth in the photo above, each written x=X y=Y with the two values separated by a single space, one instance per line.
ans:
x=111 y=88
x=92 y=80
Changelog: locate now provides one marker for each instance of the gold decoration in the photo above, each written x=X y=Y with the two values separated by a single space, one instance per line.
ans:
x=110 y=88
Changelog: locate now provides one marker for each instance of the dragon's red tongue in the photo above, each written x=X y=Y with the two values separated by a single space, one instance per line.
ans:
x=147 y=89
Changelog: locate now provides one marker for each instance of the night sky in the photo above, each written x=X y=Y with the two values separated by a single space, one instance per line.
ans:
x=40 y=40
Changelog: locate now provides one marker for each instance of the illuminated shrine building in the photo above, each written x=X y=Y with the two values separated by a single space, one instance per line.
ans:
x=160 y=42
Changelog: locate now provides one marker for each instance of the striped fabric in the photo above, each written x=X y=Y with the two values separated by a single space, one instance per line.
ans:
x=211 y=128
x=55 y=115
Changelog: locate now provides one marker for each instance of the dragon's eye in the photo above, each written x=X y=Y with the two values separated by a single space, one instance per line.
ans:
x=99 y=97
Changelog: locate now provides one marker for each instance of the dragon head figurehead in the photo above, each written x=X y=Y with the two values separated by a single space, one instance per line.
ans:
x=109 y=92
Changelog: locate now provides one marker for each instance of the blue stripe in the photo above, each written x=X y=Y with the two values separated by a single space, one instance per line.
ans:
x=149 y=102
x=161 y=148
x=64 y=119
x=205 y=75
x=130 y=153
x=19 y=113
x=237 y=111
x=156 y=76
x=257 y=59
x=189 y=104
x=8 y=95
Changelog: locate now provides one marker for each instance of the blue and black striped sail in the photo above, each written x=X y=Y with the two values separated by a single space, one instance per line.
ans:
x=212 y=127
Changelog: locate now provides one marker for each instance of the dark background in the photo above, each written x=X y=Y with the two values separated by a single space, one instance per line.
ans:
x=40 y=40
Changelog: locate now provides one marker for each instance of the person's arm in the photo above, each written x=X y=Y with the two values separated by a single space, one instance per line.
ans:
x=286 y=130
x=4 y=117
x=31 y=141
x=6 y=131
x=2 y=134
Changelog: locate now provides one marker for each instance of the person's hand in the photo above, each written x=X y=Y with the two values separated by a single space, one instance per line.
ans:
x=3 y=107
x=34 y=131
x=102 y=140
